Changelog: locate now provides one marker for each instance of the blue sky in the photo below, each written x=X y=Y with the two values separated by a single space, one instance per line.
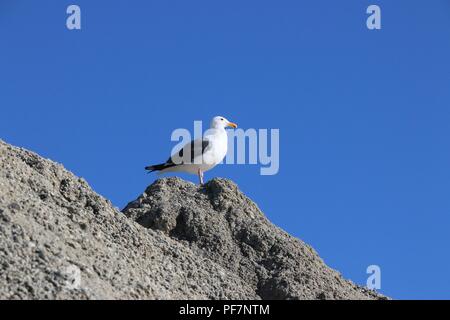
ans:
x=363 y=115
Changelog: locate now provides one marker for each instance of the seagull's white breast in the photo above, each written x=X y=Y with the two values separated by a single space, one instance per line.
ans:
x=216 y=150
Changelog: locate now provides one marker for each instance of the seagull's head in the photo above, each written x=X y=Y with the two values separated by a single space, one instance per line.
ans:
x=220 y=122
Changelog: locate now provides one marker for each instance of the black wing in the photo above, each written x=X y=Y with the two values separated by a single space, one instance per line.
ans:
x=194 y=147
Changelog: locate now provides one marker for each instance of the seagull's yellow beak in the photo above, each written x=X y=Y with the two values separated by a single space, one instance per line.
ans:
x=231 y=124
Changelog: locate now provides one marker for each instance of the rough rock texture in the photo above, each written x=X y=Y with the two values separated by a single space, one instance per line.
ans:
x=53 y=227
x=221 y=224
x=59 y=240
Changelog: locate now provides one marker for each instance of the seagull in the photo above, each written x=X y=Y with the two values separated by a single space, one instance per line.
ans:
x=199 y=155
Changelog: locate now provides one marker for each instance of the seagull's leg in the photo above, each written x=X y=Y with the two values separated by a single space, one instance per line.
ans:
x=200 y=176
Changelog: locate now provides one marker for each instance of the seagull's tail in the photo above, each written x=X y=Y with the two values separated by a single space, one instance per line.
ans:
x=158 y=167
x=155 y=167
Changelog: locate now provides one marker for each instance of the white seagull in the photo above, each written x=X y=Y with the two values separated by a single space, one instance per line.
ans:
x=199 y=155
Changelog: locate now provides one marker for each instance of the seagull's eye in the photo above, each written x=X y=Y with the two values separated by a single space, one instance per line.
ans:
x=221 y=119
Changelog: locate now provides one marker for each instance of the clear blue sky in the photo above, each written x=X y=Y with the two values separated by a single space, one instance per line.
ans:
x=363 y=115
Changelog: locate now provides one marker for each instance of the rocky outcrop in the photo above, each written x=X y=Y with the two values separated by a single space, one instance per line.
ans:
x=61 y=240
x=218 y=222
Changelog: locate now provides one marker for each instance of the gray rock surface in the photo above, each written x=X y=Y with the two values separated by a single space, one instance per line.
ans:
x=61 y=240
x=218 y=222
x=53 y=227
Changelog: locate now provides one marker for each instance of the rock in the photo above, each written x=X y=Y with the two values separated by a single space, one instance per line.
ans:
x=61 y=240
x=219 y=223
x=73 y=231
